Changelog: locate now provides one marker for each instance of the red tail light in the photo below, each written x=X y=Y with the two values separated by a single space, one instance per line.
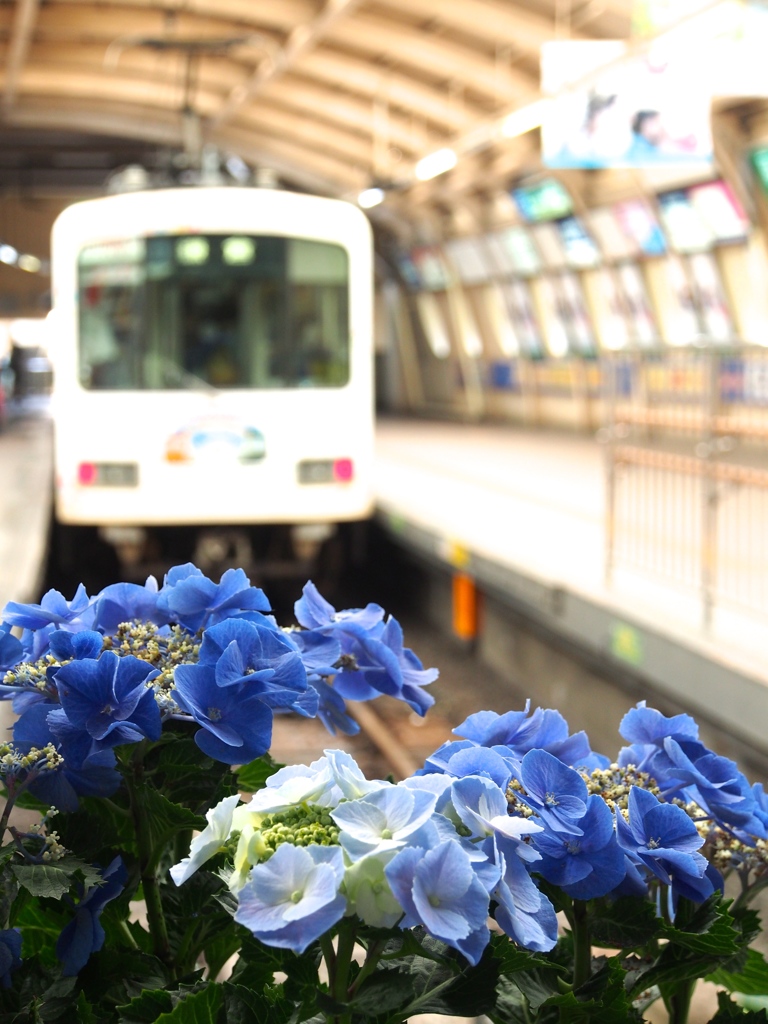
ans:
x=343 y=470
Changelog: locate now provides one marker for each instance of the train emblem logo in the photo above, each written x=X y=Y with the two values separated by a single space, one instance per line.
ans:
x=211 y=438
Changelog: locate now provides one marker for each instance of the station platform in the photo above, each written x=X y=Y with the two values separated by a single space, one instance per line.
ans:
x=522 y=512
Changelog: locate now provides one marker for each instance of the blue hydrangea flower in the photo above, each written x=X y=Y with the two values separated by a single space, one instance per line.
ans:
x=523 y=912
x=482 y=808
x=247 y=652
x=662 y=838
x=236 y=722
x=557 y=793
x=384 y=819
x=293 y=898
x=583 y=866
x=87 y=769
x=124 y=602
x=440 y=890
x=66 y=646
x=297 y=784
x=319 y=652
x=190 y=598
x=670 y=751
x=53 y=610
x=519 y=732
x=109 y=699
x=381 y=665
x=10 y=954
x=11 y=650
x=460 y=758
x=332 y=709
x=314 y=612
x=84 y=934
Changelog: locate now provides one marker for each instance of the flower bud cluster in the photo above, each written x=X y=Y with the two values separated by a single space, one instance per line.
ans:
x=32 y=674
x=164 y=651
x=516 y=806
x=15 y=763
x=300 y=826
x=614 y=783
x=727 y=852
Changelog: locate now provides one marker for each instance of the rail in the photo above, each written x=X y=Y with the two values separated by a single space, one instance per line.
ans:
x=687 y=473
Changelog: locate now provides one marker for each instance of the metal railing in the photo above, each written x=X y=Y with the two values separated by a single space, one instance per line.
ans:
x=687 y=472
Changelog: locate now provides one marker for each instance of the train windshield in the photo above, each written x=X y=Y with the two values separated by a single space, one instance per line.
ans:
x=213 y=310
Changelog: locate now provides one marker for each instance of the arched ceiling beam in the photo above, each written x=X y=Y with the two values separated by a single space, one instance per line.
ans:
x=318 y=174
x=442 y=59
x=345 y=110
x=358 y=75
x=344 y=145
x=502 y=23
x=304 y=38
x=280 y=15
x=25 y=15
x=65 y=23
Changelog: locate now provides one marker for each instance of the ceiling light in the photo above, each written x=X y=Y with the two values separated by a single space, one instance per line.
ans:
x=29 y=263
x=525 y=119
x=370 y=197
x=8 y=254
x=439 y=162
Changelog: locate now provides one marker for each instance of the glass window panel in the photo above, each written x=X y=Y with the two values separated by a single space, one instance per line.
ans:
x=213 y=311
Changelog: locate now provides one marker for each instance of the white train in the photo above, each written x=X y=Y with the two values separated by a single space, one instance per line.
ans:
x=213 y=361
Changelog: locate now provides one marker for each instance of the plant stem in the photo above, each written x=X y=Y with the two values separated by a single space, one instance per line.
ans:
x=372 y=958
x=155 y=916
x=340 y=978
x=582 y=945
x=678 y=1004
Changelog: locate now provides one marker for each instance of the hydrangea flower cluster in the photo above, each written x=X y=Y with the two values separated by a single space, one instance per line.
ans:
x=473 y=831
x=322 y=841
x=93 y=674
x=145 y=715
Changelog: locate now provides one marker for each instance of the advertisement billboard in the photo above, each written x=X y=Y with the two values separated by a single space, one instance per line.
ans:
x=617 y=109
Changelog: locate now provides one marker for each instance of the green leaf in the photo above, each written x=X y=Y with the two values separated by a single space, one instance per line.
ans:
x=221 y=945
x=628 y=923
x=751 y=980
x=710 y=929
x=243 y=1006
x=253 y=776
x=146 y=1008
x=205 y=1007
x=40 y=929
x=56 y=1000
x=120 y=975
x=85 y=1014
x=727 y=1011
x=54 y=879
x=186 y=775
x=165 y=819
x=512 y=958
x=511 y=1005
x=537 y=985
x=384 y=992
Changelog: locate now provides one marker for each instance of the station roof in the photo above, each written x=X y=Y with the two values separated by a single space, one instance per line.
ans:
x=334 y=95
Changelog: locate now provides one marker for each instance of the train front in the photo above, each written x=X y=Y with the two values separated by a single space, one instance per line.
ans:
x=213 y=355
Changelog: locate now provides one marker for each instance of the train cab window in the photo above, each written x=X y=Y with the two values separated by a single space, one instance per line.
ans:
x=213 y=311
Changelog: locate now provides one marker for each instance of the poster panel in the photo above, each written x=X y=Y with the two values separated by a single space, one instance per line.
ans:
x=514 y=252
x=580 y=250
x=616 y=109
